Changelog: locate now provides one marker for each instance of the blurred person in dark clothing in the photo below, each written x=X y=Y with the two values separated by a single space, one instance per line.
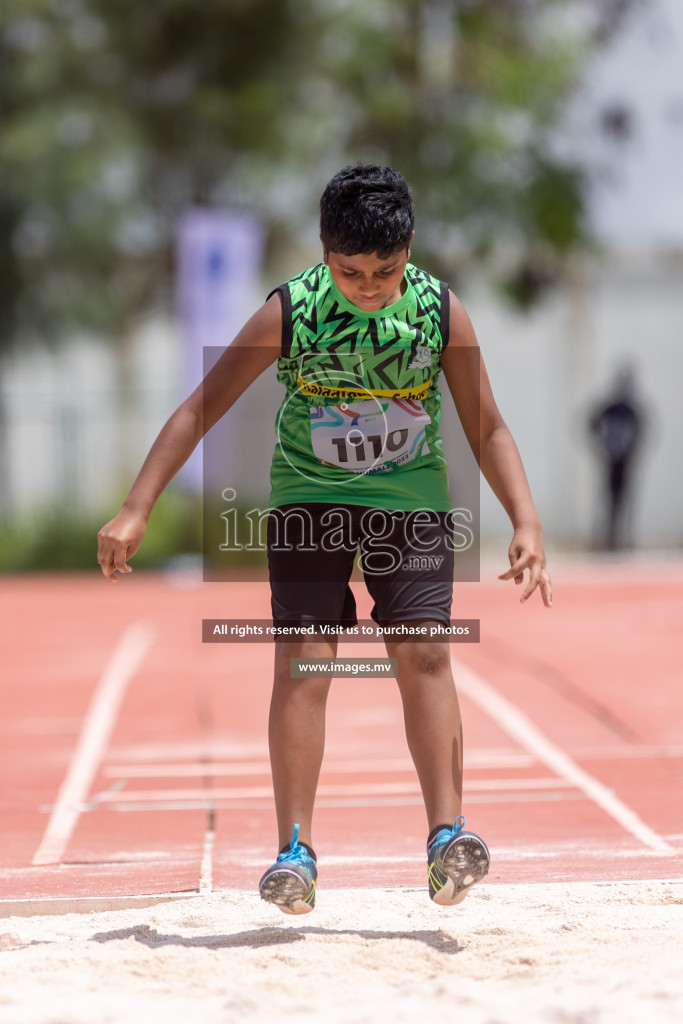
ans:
x=617 y=426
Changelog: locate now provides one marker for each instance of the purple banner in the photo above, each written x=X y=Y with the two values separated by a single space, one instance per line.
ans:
x=219 y=257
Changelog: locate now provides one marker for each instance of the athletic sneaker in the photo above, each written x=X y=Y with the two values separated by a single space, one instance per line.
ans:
x=455 y=861
x=290 y=882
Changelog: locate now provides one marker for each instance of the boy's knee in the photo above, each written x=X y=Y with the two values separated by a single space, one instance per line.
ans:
x=312 y=653
x=424 y=658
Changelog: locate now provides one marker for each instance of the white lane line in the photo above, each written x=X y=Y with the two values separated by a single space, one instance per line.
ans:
x=516 y=724
x=188 y=770
x=544 y=796
x=324 y=789
x=96 y=731
x=206 y=869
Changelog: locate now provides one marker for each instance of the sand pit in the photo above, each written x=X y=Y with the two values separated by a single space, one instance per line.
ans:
x=587 y=953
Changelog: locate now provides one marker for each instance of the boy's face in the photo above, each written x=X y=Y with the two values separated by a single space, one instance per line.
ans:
x=367 y=281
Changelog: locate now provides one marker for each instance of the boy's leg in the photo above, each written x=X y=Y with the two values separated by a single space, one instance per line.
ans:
x=296 y=736
x=432 y=722
x=410 y=588
x=456 y=859
x=309 y=588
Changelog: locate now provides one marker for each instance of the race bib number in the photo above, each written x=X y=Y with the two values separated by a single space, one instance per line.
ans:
x=369 y=436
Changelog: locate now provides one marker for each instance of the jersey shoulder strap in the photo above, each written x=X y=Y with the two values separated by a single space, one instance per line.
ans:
x=433 y=299
x=298 y=297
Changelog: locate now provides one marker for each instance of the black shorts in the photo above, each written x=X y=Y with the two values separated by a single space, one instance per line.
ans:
x=407 y=560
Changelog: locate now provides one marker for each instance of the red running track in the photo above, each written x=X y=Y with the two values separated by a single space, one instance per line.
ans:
x=134 y=758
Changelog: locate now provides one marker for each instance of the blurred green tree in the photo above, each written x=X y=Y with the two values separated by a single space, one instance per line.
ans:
x=114 y=116
x=117 y=114
x=467 y=98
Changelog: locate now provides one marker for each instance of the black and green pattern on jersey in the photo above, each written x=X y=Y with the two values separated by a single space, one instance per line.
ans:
x=360 y=421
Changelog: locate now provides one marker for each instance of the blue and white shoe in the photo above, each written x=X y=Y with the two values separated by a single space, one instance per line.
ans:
x=290 y=882
x=455 y=861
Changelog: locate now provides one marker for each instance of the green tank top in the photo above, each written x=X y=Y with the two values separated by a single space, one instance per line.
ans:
x=359 y=423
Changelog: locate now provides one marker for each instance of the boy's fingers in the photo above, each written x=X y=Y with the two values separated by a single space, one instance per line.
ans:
x=107 y=568
x=104 y=558
x=542 y=580
x=117 y=542
x=530 y=587
x=516 y=571
x=119 y=560
x=538 y=577
x=112 y=558
x=546 y=589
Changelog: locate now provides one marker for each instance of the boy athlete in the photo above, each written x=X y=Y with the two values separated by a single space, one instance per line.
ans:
x=361 y=341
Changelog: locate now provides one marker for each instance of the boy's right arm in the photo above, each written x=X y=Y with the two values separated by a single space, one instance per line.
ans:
x=255 y=348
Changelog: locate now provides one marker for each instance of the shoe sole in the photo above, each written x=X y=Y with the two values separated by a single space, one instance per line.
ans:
x=287 y=890
x=465 y=863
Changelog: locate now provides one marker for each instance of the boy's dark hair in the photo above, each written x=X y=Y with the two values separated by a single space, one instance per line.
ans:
x=366 y=209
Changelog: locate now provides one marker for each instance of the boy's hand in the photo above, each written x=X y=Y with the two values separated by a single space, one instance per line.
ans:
x=526 y=552
x=118 y=541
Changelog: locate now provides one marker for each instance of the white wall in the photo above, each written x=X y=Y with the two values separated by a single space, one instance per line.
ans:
x=549 y=368
x=64 y=425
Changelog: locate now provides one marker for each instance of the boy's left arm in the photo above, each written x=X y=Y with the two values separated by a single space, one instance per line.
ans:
x=495 y=451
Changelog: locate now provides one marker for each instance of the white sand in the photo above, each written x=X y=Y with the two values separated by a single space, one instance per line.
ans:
x=589 y=953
